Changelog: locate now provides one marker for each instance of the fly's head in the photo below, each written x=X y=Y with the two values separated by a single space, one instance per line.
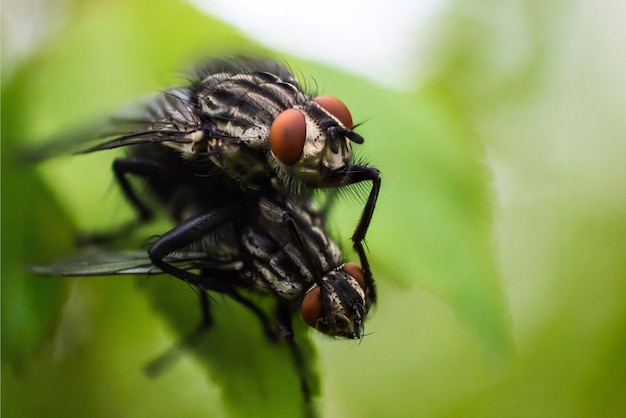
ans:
x=311 y=142
x=339 y=305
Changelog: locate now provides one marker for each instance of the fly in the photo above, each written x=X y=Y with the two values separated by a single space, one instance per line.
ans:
x=269 y=246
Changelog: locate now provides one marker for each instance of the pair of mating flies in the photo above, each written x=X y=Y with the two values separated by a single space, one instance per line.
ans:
x=234 y=158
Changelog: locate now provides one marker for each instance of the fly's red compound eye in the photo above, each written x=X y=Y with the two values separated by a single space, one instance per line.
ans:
x=354 y=270
x=287 y=136
x=337 y=108
x=311 y=307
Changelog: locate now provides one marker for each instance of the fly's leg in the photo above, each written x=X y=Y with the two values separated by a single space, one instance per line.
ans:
x=266 y=323
x=284 y=315
x=140 y=167
x=184 y=234
x=356 y=174
x=157 y=366
x=205 y=308
x=367 y=272
x=122 y=167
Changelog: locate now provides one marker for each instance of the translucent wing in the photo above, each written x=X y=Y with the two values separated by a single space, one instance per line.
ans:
x=101 y=262
x=164 y=117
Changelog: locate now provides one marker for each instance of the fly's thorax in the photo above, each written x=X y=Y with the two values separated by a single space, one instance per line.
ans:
x=318 y=241
x=238 y=151
x=338 y=306
x=302 y=235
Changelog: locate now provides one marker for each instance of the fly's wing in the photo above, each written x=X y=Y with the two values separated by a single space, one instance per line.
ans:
x=165 y=117
x=100 y=262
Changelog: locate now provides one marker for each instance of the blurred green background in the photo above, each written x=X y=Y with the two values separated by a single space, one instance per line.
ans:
x=497 y=244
